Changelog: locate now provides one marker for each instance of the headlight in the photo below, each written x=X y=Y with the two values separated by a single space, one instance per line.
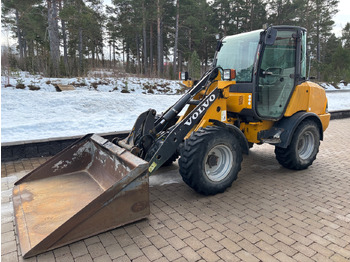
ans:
x=183 y=76
x=229 y=74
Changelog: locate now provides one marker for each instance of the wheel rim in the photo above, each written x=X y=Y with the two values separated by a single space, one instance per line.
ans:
x=306 y=145
x=218 y=162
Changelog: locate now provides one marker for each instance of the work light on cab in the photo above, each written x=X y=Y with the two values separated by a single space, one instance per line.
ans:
x=183 y=76
x=229 y=74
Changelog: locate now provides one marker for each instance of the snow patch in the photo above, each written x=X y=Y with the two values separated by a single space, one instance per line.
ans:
x=10 y=180
x=338 y=101
x=6 y=212
x=91 y=83
x=170 y=176
x=28 y=115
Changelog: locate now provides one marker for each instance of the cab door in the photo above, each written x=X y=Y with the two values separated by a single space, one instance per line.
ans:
x=276 y=75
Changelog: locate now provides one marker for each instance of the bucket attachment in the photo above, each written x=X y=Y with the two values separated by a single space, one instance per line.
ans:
x=88 y=188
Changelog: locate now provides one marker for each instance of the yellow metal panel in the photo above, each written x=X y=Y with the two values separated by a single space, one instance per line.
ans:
x=252 y=129
x=224 y=84
x=308 y=97
x=238 y=101
x=216 y=111
x=188 y=83
x=299 y=100
x=325 y=120
x=317 y=99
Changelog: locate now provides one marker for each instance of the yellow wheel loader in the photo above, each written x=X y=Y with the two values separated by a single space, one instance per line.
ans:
x=256 y=92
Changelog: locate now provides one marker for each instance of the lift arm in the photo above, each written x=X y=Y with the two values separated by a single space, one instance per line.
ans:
x=152 y=139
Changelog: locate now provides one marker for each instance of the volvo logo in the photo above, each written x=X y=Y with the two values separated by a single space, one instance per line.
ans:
x=201 y=109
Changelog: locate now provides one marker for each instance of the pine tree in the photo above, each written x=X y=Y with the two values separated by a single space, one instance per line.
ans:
x=150 y=32
x=52 y=15
x=26 y=20
x=194 y=67
x=282 y=12
x=346 y=36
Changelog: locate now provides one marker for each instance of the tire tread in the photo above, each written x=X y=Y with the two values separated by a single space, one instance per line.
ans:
x=287 y=156
x=190 y=156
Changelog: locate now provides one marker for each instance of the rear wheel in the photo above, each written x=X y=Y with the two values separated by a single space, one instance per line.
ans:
x=303 y=148
x=210 y=160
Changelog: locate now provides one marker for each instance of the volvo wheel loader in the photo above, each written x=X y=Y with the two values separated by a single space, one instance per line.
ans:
x=255 y=92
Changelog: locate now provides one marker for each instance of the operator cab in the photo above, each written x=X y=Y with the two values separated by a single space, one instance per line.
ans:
x=269 y=63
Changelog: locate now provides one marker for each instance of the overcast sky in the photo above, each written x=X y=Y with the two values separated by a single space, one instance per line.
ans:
x=340 y=19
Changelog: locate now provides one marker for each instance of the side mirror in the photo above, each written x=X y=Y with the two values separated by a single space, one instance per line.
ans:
x=270 y=36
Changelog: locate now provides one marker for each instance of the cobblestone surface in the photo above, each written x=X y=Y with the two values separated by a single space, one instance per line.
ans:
x=269 y=214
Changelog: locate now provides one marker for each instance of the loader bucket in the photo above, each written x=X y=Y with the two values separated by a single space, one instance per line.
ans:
x=88 y=188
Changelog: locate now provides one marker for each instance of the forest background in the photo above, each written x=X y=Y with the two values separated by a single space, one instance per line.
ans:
x=66 y=38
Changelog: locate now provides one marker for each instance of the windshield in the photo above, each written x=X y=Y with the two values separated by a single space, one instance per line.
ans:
x=238 y=52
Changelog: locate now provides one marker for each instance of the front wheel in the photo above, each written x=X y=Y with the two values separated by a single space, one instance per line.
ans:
x=303 y=148
x=210 y=160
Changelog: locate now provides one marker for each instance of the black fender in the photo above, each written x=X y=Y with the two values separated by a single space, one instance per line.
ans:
x=237 y=132
x=289 y=125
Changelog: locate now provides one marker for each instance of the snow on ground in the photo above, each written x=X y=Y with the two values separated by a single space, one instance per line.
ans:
x=97 y=105
x=28 y=115
x=344 y=85
x=93 y=83
x=328 y=86
x=340 y=86
x=338 y=100
x=7 y=184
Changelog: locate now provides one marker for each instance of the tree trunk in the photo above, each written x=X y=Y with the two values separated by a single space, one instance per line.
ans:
x=138 y=54
x=159 y=40
x=81 y=69
x=123 y=52
x=53 y=36
x=31 y=55
x=19 y=38
x=24 y=46
x=110 y=54
x=251 y=16
x=127 y=57
x=97 y=56
x=145 y=64
x=151 y=48
x=206 y=57
x=64 y=36
x=113 y=54
x=176 y=37
x=93 y=57
x=180 y=62
x=103 y=58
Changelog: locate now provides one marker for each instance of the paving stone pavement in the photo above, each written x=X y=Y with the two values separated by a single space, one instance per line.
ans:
x=269 y=214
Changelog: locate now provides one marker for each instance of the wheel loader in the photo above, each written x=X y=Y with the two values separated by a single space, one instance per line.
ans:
x=255 y=92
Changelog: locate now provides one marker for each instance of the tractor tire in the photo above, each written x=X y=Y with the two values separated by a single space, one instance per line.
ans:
x=303 y=148
x=210 y=160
